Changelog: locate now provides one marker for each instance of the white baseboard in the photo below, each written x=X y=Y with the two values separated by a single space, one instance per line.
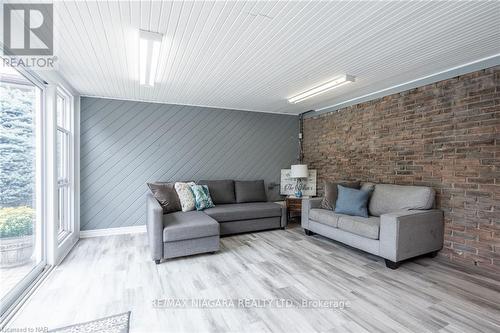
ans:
x=136 y=229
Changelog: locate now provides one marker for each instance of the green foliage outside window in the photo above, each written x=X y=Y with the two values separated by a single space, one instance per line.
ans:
x=17 y=156
x=16 y=221
x=17 y=146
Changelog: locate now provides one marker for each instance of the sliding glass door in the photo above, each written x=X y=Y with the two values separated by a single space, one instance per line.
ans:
x=22 y=232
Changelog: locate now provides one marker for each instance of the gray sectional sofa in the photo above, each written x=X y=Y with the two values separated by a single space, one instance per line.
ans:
x=402 y=223
x=240 y=206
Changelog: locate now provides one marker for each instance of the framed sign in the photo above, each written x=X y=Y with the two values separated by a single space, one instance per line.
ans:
x=308 y=186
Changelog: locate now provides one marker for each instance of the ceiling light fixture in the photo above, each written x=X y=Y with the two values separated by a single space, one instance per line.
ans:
x=149 y=54
x=336 y=82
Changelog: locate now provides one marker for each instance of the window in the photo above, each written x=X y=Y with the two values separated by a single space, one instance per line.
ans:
x=22 y=223
x=64 y=153
x=38 y=216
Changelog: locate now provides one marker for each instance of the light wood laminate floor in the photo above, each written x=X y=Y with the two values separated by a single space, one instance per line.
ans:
x=108 y=275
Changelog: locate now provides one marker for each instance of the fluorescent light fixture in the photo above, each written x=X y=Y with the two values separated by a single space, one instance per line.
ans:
x=332 y=84
x=149 y=54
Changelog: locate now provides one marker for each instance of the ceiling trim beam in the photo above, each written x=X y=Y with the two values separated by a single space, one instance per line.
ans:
x=429 y=79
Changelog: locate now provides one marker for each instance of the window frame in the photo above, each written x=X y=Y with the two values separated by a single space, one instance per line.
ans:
x=66 y=227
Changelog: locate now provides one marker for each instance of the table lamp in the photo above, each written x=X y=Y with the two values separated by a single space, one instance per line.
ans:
x=299 y=171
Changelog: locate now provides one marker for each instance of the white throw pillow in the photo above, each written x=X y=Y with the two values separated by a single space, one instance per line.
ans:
x=186 y=196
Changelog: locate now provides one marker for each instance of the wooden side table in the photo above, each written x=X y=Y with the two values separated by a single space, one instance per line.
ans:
x=293 y=205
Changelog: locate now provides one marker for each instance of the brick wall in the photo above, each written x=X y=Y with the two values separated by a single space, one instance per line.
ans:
x=445 y=135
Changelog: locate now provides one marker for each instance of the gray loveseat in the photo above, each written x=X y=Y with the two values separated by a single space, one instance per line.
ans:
x=402 y=223
x=240 y=206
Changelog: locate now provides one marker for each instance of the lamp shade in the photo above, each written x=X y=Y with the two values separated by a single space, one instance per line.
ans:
x=299 y=171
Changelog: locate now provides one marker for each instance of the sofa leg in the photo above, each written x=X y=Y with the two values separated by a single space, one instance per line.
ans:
x=308 y=232
x=157 y=262
x=433 y=254
x=392 y=264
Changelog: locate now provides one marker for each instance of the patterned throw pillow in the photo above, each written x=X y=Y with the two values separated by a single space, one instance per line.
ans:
x=186 y=196
x=202 y=197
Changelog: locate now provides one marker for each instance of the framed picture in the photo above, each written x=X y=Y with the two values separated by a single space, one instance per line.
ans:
x=308 y=186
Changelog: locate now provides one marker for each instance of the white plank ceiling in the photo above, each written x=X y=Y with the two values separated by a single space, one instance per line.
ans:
x=253 y=55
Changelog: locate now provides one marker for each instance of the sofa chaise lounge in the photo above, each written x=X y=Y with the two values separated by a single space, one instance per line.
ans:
x=402 y=223
x=240 y=206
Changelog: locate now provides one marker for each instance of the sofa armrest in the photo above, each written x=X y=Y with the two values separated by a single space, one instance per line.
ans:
x=408 y=234
x=308 y=204
x=154 y=226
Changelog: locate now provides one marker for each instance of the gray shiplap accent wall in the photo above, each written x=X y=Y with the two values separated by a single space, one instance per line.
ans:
x=125 y=144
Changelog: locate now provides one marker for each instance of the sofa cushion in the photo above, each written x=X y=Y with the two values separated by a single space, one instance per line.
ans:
x=188 y=225
x=324 y=216
x=368 y=227
x=331 y=192
x=244 y=211
x=387 y=198
x=368 y=187
x=250 y=191
x=352 y=202
x=221 y=191
x=202 y=197
x=166 y=195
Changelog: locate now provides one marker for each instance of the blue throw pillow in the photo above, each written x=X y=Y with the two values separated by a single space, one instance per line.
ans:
x=352 y=202
x=202 y=197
